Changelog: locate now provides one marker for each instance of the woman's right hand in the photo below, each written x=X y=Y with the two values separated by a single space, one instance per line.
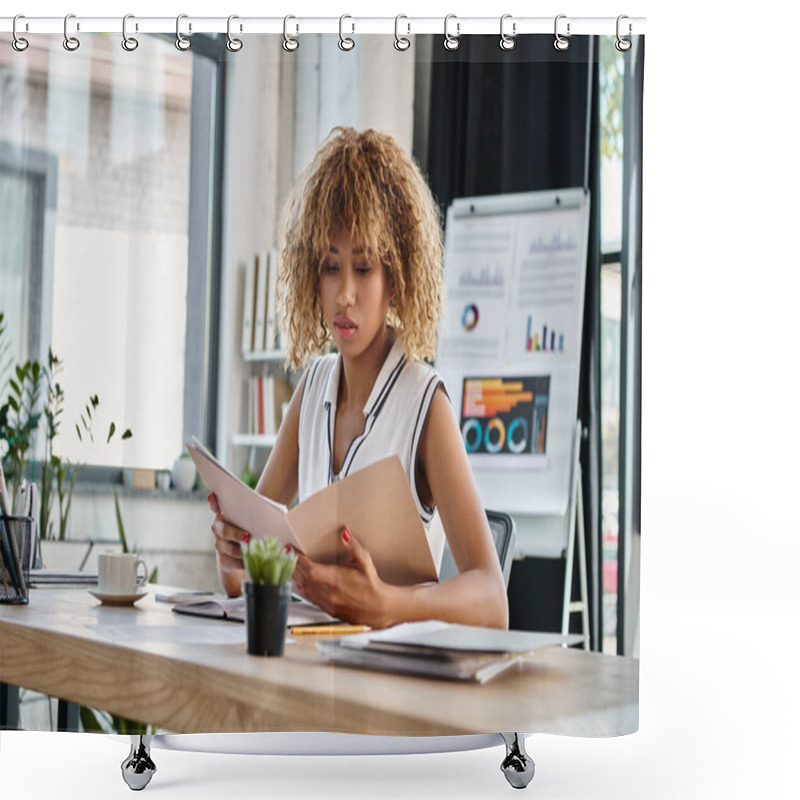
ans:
x=227 y=543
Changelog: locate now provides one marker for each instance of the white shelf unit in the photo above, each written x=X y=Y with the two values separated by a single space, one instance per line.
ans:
x=264 y=355
x=254 y=440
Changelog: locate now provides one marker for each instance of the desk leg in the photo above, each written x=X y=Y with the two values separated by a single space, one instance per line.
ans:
x=517 y=766
x=68 y=717
x=138 y=768
x=9 y=706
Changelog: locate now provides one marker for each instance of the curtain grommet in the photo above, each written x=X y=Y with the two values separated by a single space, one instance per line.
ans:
x=451 y=42
x=345 y=42
x=290 y=43
x=401 y=43
x=622 y=44
x=19 y=43
x=129 y=43
x=507 y=42
x=561 y=43
x=233 y=44
x=71 y=43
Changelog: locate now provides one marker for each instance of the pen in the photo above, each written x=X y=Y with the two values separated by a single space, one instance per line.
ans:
x=302 y=630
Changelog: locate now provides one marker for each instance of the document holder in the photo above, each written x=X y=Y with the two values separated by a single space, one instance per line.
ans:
x=15 y=558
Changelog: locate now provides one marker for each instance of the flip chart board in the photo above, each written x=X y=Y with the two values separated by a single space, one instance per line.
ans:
x=510 y=340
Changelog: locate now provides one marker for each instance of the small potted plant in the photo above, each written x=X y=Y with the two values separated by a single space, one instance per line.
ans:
x=269 y=567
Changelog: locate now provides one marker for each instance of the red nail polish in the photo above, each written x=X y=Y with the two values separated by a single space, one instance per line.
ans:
x=246 y=538
x=346 y=536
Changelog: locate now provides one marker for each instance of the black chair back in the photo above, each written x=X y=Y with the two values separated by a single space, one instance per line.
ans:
x=504 y=533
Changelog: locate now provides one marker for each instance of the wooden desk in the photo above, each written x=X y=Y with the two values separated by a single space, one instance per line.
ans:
x=165 y=669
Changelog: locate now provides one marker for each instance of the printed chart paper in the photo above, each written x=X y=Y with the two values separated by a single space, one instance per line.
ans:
x=510 y=341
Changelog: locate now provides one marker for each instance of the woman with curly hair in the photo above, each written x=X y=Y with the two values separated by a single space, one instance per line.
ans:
x=361 y=267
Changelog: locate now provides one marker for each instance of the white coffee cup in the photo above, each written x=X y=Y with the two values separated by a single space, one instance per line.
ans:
x=116 y=573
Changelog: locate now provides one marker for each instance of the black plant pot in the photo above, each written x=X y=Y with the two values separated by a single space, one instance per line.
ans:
x=266 y=610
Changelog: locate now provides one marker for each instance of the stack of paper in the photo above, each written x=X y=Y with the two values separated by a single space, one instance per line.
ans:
x=440 y=650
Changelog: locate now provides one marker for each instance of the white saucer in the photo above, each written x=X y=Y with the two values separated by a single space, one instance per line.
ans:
x=117 y=599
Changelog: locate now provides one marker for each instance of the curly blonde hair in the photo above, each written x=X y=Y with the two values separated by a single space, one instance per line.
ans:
x=367 y=183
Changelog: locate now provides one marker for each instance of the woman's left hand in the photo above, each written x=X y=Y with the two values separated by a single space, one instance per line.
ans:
x=351 y=591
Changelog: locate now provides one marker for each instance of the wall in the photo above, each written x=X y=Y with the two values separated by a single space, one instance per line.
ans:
x=170 y=530
x=280 y=107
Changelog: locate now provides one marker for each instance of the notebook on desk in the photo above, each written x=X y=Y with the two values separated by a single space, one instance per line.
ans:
x=301 y=612
x=438 y=649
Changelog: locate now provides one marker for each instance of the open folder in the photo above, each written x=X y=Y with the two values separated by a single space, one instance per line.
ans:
x=375 y=504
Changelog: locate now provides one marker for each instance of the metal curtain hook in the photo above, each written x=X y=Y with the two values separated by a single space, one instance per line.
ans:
x=562 y=42
x=451 y=42
x=507 y=42
x=401 y=42
x=290 y=43
x=71 y=43
x=181 y=42
x=129 y=43
x=233 y=44
x=345 y=42
x=18 y=43
x=623 y=44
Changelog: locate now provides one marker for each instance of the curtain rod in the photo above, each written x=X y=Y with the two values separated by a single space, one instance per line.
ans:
x=297 y=25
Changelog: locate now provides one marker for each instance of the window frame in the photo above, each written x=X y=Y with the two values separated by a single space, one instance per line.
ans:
x=207 y=137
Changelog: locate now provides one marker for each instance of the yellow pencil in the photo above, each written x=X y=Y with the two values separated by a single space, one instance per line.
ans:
x=302 y=630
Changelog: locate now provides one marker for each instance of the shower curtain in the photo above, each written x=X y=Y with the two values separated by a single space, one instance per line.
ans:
x=138 y=183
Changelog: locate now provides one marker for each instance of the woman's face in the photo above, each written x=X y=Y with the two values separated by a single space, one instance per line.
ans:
x=355 y=292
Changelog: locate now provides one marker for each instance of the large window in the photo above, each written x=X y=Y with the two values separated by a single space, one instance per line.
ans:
x=612 y=64
x=106 y=183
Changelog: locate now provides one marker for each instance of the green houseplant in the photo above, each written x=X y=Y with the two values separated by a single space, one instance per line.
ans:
x=269 y=566
x=19 y=411
x=35 y=396
x=57 y=474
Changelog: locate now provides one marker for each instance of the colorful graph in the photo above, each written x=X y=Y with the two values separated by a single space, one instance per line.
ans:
x=550 y=341
x=505 y=415
x=470 y=317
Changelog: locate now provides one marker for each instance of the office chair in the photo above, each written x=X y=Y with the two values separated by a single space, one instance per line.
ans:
x=504 y=533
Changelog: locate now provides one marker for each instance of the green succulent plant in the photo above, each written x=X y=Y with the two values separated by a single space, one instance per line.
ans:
x=268 y=562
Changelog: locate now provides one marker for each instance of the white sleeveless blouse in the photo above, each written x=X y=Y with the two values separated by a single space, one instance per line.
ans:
x=395 y=416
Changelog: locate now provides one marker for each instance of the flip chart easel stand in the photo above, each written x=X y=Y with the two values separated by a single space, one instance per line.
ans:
x=575 y=530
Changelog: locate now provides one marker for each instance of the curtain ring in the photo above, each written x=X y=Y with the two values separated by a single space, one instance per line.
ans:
x=507 y=42
x=451 y=42
x=233 y=44
x=71 y=43
x=401 y=42
x=18 y=43
x=290 y=43
x=562 y=42
x=129 y=43
x=345 y=42
x=623 y=44
x=181 y=42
